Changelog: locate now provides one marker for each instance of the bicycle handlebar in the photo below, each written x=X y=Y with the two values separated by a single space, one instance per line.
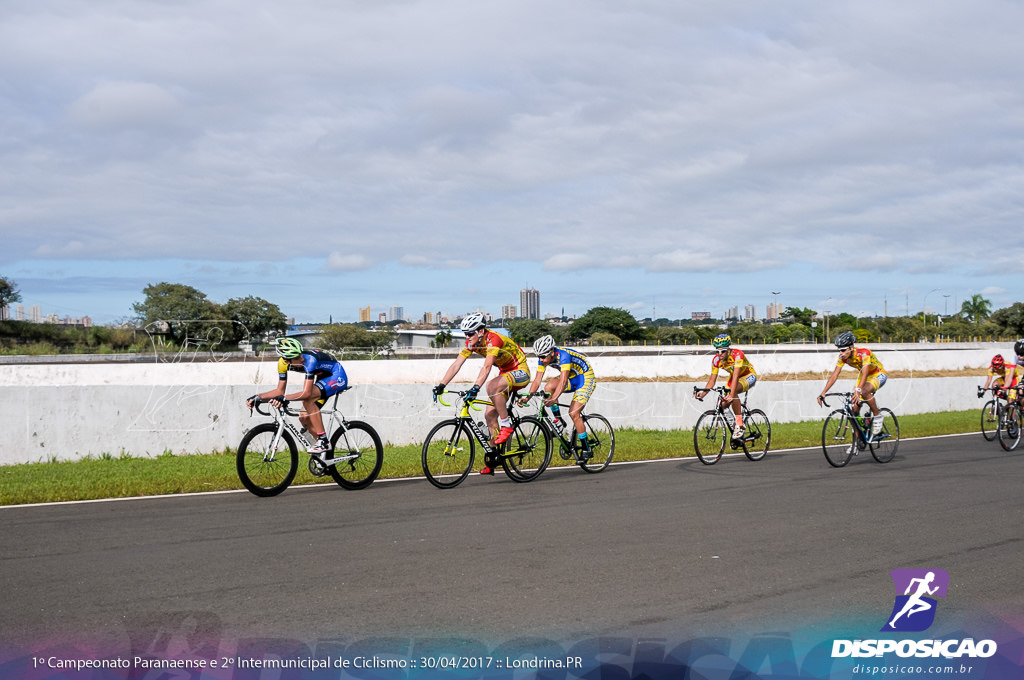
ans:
x=285 y=406
x=462 y=395
x=844 y=395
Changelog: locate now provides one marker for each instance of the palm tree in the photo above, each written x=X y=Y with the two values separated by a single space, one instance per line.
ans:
x=976 y=309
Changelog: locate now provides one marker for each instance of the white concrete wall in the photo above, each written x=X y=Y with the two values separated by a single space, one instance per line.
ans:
x=68 y=411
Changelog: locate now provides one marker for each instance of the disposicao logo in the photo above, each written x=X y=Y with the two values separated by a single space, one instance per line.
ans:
x=914 y=611
x=916 y=590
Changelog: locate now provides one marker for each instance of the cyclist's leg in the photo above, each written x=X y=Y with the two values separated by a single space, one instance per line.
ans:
x=871 y=387
x=581 y=387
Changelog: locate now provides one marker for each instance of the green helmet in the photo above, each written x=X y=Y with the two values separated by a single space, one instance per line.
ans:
x=288 y=348
x=721 y=340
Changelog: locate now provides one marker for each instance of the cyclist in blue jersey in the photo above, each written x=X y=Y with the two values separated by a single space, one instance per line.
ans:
x=325 y=377
x=575 y=376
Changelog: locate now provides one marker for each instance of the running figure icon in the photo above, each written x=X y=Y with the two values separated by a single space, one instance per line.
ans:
x=919 y=588
x=915 y=604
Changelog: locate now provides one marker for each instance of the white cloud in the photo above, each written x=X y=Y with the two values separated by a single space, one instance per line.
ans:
x=120 y=104
x=645 y=140
x=348 y=263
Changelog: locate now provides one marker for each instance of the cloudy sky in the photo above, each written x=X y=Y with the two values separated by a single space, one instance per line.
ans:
x=660 y=156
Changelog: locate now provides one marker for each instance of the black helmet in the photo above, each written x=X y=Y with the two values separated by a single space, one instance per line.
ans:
x=1018 y=347
x=845 y=339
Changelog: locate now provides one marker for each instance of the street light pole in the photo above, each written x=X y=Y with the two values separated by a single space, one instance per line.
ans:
x=925 y=303
x=775 y=304
x=945 y=309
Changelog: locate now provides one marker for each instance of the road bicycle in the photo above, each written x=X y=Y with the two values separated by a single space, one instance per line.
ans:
x=992 y=412
x=450 y=448
x=600 y=436
x=268 y=455
x=715 y=429
x=847 y=432
x=1010 y=425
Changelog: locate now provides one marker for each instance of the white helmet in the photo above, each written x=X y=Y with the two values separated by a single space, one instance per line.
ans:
x=472 y=322
x=543 y=345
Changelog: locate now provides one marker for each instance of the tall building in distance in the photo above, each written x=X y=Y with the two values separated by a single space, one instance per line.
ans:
x=529 y=303
x=364 y=313
x=428 y=317
x=750 y=312
x=508 y=311
x=396 y=313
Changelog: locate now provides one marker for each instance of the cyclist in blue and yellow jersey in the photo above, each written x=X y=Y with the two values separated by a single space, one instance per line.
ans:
x=870 y=378
x=325 y=377
x=742 y=376
x=497 y=350
x=575 y=376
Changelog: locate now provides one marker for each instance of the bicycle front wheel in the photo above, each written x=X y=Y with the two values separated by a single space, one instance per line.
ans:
x=837 y=438
x=757 y=434
x=528 y=451
x=885 y=443
x=448 y=454
x=359 y=444
x=990 y=414
x=266 y=467
x=1010 y=427
x=601 y=437
x=709 y=437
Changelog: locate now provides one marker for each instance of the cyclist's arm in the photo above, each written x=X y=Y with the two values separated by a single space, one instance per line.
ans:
x=829 y=383
x=563 y=378
x=453 y=370
x=276 y=392
x=734 y=382
x=535 y=383
x=308 y=389
x=862 y=380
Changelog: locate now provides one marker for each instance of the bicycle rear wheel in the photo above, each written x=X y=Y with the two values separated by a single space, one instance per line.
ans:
x=264 y=468
x=448 y=453
x=601 y=437
x=757 y=434
x=360 y=444
x=837 y=438
x=710 y=436
x=1010 y=427
x=885 y=443
x=990 y=414
x=527 y=453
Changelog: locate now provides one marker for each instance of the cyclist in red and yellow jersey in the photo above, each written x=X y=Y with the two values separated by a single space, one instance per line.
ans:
x=497 y=350
x=1000 y=375
x=870 y=379
x=742 y=376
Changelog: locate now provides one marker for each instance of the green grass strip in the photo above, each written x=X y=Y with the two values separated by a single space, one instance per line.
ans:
x=111 y=476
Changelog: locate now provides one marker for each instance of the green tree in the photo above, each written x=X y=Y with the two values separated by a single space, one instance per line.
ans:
x=976 y=309
x=603 y=339
x=673 y=335
x=617 y=322
x=9 y=293
x=525 y=331
x=441 y=339
x=184 y=309
x=343 y=337
x=253 y=316
x=800 y=315
x=1010 y=319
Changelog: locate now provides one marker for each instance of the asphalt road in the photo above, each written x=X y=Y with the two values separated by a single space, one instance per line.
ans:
x=666 y=548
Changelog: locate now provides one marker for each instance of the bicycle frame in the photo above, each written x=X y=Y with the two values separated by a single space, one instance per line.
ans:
x=335 y=418
x=863 y=430
x=466 y=417
x=721 y=408
x=546 y=416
